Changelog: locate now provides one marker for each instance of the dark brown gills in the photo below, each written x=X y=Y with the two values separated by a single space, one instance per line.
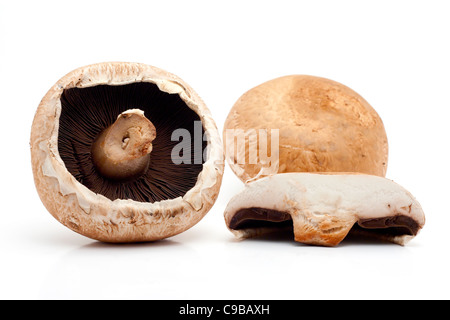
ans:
x=260 y=217
x=86 y=112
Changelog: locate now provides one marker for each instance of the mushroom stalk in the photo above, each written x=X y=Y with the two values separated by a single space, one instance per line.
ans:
x=122 y=151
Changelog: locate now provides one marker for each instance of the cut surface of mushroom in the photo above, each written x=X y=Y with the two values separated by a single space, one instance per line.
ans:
x=101 y=152
x=323 y=208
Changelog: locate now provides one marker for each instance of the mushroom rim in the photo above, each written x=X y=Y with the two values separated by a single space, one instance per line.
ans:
x=122 y=73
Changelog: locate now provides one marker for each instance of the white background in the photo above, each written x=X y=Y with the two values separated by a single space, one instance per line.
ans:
x=394 y=53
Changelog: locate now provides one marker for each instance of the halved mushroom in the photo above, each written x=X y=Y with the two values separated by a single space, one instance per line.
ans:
x=324 y=208
x=102 y=146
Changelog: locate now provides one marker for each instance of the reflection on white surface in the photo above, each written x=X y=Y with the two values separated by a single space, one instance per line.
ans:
x=119 y=271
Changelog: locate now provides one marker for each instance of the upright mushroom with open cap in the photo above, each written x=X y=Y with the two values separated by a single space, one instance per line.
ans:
x=102 y=144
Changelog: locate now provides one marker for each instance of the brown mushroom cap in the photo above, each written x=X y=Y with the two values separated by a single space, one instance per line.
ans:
x=324 y=208
x=156 y=204
x=323 y=126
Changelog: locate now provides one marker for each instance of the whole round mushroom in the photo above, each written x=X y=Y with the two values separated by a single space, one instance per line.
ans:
x=321 y=126
x=125 y=152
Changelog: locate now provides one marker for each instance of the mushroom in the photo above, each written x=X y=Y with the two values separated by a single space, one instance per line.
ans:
x=102 y=148
x=321 y=126
x=324 y=208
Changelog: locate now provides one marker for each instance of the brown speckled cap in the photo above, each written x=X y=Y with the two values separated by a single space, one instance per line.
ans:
x=323 y=126
x=168 y=199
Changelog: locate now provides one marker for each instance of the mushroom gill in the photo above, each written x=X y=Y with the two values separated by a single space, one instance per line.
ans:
x=395 y=225
x=259 y=218
x=87 y=112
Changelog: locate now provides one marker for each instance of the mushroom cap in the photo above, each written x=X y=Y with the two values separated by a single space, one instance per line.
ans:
x=120 y=220
x=324 y=208
x=323 y=126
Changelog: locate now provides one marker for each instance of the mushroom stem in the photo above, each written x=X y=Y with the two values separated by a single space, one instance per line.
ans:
x=122 y=151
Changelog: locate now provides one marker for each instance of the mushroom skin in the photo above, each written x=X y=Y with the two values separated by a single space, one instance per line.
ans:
x=324 y=126
x=121 y=220
x=325 y=207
